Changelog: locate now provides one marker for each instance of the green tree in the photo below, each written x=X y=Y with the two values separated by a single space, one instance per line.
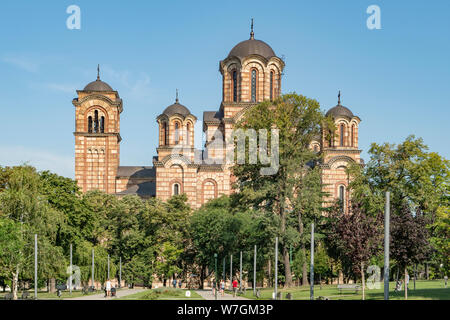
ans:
x=417 y=179
x=299 y=121
x=409 y=239
x=22 y=202
x=356 y=236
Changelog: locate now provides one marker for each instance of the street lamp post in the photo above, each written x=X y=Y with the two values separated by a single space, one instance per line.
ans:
x=386 y=245
x=254 y=273
x=231 y=272
x=276 y=267
x=108 y=267
x=311 y=272
x=215 y=274
x=240 y=272
x=93 y=286
x=35 y=266
x=120 y=272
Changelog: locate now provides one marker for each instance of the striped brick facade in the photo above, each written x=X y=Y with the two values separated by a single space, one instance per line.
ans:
x=250 y=74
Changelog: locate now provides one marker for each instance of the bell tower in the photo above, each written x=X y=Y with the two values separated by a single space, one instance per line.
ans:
x=340 y=150
x=97 y=136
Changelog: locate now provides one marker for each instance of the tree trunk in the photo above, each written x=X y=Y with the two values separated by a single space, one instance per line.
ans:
x=406 y=285
x=270 y=274
x=415 y=275
x=340 y=277
x=287 y=267
x=363 y=282
x=53 y=285
x=284 y=249
x=305 y=266
x=202 y=277
x=15 y=283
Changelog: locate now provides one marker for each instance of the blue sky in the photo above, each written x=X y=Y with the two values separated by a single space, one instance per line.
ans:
x=397 y=79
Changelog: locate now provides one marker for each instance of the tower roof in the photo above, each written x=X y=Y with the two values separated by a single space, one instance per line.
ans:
x=252 y=46
x=340 y=110
x=176 y=108
x=98 y=85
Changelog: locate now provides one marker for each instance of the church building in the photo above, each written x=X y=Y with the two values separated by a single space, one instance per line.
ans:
x=251 y=73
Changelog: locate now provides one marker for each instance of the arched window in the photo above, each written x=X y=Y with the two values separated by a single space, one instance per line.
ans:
x=254 y=79
x=341 y=135
x=102 y=124
x=188 y=134
x=96 y=121
x=234 y=86
x=176 y=189
x=90 y=124
x=353 y=135
x=177 y=132
x=165 y=134
x=342 y=197
x=271 y=85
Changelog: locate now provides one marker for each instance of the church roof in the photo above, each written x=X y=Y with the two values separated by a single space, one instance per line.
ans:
x=212 y=116
x=176 y=108
x=144 y=189
x=98 y=85
x=250 y=47
x=340 y=111
x=139 y=172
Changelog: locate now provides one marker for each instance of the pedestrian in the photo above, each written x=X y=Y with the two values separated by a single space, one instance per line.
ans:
x=179 y=283
x=108 y=288
x=174 y=283
x=235 y=285
x=222 y=288
x=214 y=287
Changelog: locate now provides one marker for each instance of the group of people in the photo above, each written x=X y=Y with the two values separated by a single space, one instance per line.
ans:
x=221 y=287
x=174 y=283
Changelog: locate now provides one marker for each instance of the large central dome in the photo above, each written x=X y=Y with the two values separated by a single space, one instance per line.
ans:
x=252 y=46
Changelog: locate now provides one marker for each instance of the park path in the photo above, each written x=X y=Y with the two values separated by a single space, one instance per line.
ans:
x=120 y=294
x=207 y=295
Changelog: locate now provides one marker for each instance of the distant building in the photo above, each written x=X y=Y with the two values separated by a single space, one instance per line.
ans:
x=251 y=73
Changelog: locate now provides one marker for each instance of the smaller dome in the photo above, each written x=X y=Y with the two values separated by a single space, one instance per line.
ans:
x=98 y=85
x=340 y=111
x=176 y=108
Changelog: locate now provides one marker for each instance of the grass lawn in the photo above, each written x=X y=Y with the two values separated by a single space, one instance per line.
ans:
x=163 y=294
x=48 y=295
x=425 y=290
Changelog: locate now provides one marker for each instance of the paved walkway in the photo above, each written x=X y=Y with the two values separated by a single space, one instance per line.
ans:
x=120 y=293
x=207 y=295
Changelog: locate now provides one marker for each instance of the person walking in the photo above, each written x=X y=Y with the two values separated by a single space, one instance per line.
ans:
x=214 y=287
x=235 y=285
x=222 y=288
x=174 y=283
x=108 y=288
